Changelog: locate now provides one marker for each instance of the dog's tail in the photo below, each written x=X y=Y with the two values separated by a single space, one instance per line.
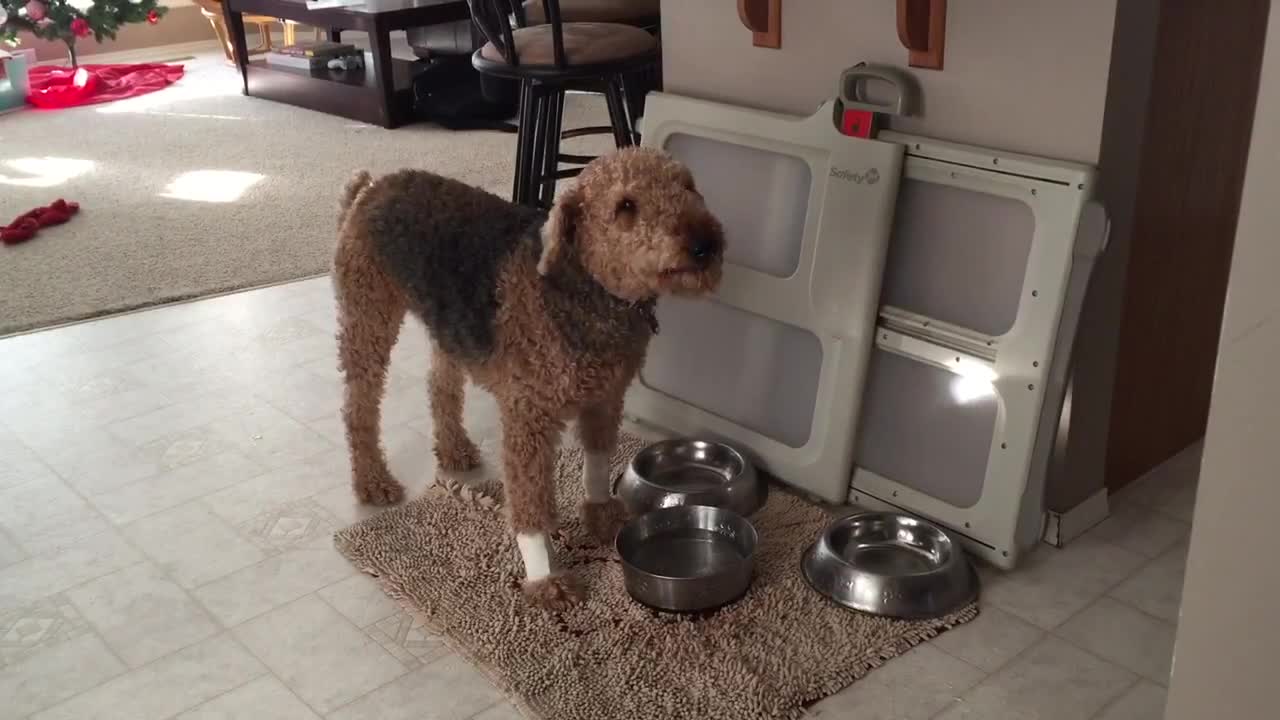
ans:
x=355 y=186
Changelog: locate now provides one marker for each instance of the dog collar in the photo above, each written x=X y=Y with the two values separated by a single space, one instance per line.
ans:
x=647 y=310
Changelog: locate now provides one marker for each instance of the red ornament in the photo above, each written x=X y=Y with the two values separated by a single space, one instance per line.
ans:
x=153 y=17
x=80 y=27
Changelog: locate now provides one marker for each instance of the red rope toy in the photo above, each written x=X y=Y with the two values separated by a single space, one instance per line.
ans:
x=25 y=226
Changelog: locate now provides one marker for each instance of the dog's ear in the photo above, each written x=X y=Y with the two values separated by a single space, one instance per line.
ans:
x=558 y=231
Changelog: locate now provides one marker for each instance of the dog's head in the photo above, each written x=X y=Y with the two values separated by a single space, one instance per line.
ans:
x=636 y=223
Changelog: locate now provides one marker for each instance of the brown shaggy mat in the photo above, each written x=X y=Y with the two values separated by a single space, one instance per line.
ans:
x=449 y=557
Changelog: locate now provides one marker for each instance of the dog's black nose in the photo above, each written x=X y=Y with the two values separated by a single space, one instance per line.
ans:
x=704 y=248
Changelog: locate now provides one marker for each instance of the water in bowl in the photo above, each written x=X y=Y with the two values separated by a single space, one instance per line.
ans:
x=686 y=553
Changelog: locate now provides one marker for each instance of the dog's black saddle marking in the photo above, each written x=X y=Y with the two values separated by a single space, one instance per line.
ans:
x=445 y=242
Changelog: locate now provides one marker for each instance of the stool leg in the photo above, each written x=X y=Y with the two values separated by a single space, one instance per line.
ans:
x=524 y=141
x=551 y=146
x=617 y=112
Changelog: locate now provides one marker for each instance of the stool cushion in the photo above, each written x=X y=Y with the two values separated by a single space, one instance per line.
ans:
x=584 y=44
x=622 y=11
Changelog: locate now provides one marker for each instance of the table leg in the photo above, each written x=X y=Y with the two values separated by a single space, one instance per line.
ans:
x=380 y=44
x=234 y=20
x=335 y=34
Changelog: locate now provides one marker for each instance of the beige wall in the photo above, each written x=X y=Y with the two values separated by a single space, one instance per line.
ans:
x=1026 y=76
x=182 y=24
x=1225 y=658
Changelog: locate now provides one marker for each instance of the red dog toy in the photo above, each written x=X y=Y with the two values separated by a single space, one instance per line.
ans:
x=25 y=226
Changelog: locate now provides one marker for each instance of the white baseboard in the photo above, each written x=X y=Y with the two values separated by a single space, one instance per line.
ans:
x=1062 y=528
x=158 y=53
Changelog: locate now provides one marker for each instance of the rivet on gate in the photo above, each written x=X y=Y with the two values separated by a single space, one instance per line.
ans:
x=1035 y=363
x=1031 y=387
x=1035 y=293
x=1033 y=191
x=1004 y=446
x=995 y=161
x=895 y=493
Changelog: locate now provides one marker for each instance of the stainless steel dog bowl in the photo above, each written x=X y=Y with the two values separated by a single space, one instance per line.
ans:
x=691 y=472
x=687 y=558
x=890 y=564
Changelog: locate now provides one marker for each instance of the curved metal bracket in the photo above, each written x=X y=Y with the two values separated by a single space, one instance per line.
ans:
x=922 y=30
x=764 y=19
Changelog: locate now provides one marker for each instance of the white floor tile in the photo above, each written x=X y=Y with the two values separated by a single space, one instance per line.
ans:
x=501 y=711
x=270 y=437
x=263 y=699
x=10 y=553
x=914 y=686
x=43 y=575
x=990 y=640
x=166 y=687
x=271 y=583
x=407 y=638
x=360 y=600
x=272 y=489
x=1052 y=681
x=1144 y=701
x=28 y=630
x=1140 y=529
x=302 y=394
x=142 y=614
x=45 y=515
x=97 y=463
x=1157 y=588
x=49 y=432
x=1116 y=632
x=19 y=464
x=192 y=545
x=447 y=689
x=170 y=489
x=188 y=413
x=323 y=658
x=57 y=673
x=1054 y=584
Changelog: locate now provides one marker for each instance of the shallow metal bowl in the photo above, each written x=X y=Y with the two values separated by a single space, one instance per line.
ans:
x=890 y=564
x=691 y=472
x=687 y=558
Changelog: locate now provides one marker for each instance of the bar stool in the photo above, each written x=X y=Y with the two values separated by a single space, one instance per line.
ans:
x=546 y=60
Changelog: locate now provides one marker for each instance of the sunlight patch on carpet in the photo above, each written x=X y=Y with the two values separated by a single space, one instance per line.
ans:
x=214 y=186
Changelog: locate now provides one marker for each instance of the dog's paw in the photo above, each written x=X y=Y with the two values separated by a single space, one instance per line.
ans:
x=603 y=520
x=383 y=490
x=463 y=457
x=554 y=592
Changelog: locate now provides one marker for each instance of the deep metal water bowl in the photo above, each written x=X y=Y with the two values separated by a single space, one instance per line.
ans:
x=685 y=471
x=687 y=558
x=891 y=564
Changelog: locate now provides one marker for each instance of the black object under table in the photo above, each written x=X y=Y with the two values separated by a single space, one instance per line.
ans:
x=380 y=94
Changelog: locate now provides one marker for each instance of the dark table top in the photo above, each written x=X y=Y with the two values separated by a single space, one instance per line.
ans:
x=393 y=14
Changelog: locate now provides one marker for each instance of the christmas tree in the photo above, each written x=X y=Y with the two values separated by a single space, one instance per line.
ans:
x=71 y=21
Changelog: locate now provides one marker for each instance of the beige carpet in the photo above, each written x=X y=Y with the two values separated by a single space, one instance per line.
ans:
x=448 y=556
x=197 y=189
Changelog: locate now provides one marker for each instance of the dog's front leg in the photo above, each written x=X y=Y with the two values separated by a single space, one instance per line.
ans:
x=529 y=442
x=602 y=514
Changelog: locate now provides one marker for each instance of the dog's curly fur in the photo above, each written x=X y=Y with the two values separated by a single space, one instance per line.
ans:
x=552 y=313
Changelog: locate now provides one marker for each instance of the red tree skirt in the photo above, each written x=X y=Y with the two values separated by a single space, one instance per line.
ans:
x=58 y=87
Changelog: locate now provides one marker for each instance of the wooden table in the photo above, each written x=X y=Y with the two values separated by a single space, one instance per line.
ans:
x=380 y=94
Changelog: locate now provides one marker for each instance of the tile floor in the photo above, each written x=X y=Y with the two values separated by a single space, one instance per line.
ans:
x=170 y=480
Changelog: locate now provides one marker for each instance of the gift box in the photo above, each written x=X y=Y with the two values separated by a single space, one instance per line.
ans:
x=15 y=85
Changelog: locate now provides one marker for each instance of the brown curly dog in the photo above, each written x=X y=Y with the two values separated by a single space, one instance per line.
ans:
x=552 y=313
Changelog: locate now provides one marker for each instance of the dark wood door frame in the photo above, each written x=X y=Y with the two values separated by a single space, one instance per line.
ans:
x=1175 y=197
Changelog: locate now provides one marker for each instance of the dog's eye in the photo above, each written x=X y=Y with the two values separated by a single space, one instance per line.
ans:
x=626 y=205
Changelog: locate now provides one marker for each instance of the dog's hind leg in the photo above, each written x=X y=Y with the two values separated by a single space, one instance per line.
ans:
x=370 y=312
x=447 y=386
x=529 y=442
x=601 y=513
